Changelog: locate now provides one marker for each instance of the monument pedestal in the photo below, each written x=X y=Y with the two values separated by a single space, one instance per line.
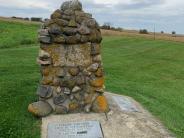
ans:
x=127 y=119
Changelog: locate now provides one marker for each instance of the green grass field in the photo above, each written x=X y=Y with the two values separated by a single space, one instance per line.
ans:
x=152 y=72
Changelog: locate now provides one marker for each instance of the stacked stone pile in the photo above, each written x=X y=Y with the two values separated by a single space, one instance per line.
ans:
x=70 y=61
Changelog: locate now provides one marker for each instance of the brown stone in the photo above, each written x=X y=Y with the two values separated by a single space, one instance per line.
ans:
x=71 y=40
x=73 y=106
x=61 y=109
x=80 y=80
x=97 y=82
x=72 y=23
x=59 y=39
x=100 y=105
x=56 y=14
x=61 y=22
x=73 y=71
x=99 y=72
x=46 y=80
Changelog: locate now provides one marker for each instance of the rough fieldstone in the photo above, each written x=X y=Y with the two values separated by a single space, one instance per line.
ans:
x=47 y=80
x=75 y=5
x=87 y=108
x=67 y=91
x=71 y=40
x=55 y=29
x=65 y=5
x=61 y=109
x=84 y=38
x=60 y=72
x=72 y=23
x=61 y=22
x=97 y=82
x=73 y=71
x=76 y=89
x=66 y=17
x=99 y=72
x=69 y=31
x=69 y=12
x=43 y=54
x=40 y=109
x=56 y=14
x=95 y=49
x=59 y=39
x=83 y=30
x=83 y=14
x=45 y=39
x=100 y=105
x=58 y=100
x=93 y=67
x=91 y=23
x=97 y=58
x=44 y=91
x=80 y=80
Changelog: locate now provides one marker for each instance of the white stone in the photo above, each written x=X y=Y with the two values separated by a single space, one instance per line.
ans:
x=76 y=89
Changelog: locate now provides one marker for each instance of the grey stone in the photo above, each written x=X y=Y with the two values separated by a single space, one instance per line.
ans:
x=84 y=39
x=55 y=29
x=91 y=23
x=65 y=5
x=66 y=17
x=93 y=67
x=95 y=49
x=40 y=108
x=58 y=100
x=87 y=129
x=61 y=109
x=60 y=72
x=84 y=30
x=87 y=108
x=69 y=12
x=45 y=39
x=69 y=31
x=44 y=91
x=80 y=80
x=125 y=104
x=61 y=22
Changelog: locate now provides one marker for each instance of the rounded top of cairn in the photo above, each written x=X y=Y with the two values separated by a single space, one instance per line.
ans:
x=70 y=25
x=73 y=5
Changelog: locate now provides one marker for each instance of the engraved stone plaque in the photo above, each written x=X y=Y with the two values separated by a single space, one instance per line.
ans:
x=87 y=129
x=125 y=104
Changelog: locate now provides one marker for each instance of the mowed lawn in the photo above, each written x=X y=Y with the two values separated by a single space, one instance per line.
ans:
x=152 y=72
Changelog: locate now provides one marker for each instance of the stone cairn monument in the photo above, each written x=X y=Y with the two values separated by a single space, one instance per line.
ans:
x=70 y=61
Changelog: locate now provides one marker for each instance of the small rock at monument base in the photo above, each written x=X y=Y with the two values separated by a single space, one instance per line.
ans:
x=45 y=39
x=40 y=109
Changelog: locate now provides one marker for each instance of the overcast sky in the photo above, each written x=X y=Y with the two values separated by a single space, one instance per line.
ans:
x=167 y=15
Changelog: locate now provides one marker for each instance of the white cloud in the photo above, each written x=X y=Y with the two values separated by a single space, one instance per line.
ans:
x=127 y=13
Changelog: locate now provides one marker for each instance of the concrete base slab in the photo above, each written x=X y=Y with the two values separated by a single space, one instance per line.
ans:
x=118 y=123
